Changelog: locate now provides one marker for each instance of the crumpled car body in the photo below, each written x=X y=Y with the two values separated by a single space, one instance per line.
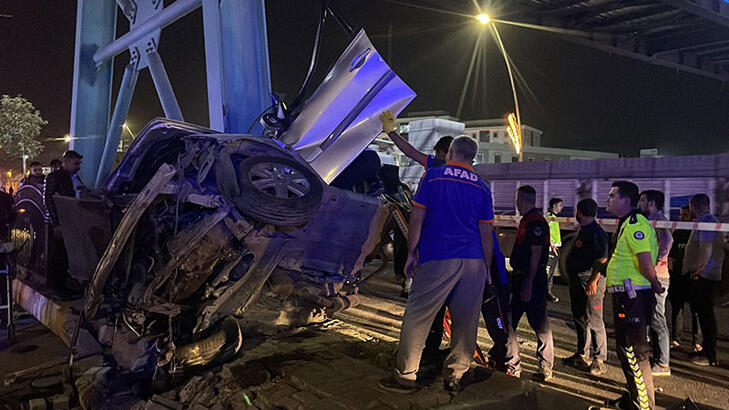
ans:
x=201 y=220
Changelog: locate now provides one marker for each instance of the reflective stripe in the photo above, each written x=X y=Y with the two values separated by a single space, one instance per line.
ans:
x=637 y=378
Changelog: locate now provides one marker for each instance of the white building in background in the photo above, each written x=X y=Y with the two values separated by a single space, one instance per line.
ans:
x=495 y=145
x=423 y=129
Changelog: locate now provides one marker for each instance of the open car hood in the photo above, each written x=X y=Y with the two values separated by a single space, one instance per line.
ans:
x=341 y=117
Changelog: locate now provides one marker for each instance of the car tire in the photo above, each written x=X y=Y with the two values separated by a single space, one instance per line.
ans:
x=278 y=191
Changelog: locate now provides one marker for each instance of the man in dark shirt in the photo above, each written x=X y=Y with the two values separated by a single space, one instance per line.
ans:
x=703 y=261
x=55 y=164
x=63 y=182
x=587 y=290
x=529 y=261
x=678 y=291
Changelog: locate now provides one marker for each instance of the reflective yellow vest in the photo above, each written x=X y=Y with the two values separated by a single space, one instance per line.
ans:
x=554 y=234
x=635 y=235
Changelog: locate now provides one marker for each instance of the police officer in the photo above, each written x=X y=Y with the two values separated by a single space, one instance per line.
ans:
x=529 y=261
x=632 y=282
x=587 y=289
x=555 y=242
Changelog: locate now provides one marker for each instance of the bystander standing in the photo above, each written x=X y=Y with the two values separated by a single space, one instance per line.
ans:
x=678 y=292
x=63 y=182
x=555 y=243
x=584 y=263
x=529 y=262
x=650 y=204
x=55 y=164
x=703 y=262
x=36 y=177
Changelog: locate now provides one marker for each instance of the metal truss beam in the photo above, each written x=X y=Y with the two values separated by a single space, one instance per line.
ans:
x=169 y=15
x=642 y=57
x=714 y=11
x=164 y=88
x=121 y=109
x=668 y=33
x=691 y=48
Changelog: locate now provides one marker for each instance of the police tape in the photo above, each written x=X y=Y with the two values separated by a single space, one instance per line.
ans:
x=571 y=223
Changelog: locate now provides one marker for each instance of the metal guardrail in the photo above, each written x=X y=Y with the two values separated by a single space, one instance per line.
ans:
x=32 y=231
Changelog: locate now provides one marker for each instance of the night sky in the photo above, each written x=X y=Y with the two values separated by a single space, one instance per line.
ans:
x=586 y=98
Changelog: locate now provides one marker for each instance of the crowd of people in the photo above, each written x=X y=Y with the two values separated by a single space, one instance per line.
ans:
x=454 y=261
x=63 y=180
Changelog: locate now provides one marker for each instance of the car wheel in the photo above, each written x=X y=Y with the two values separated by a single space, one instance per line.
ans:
x=279 y=191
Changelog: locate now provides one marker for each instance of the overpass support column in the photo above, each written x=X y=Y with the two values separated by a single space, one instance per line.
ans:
x=236 y=53
x=91 y=95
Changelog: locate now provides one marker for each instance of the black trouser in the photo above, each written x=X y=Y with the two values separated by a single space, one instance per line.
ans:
x=400 y=255
x=587 y=312
x=496 y=315
x=631 y=319
x=57 y=264
x=702 y=292
x=679 y=294
x=536 y=312
x=552 y=263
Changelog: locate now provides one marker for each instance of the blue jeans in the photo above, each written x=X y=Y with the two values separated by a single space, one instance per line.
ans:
x=660 y=335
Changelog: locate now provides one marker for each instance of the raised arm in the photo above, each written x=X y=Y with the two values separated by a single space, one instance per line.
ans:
x=388 y=126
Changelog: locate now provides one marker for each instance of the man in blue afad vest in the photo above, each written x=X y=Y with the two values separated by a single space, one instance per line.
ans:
x=450 y=246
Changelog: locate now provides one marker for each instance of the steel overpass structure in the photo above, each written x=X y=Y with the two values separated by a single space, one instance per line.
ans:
x=685 y=35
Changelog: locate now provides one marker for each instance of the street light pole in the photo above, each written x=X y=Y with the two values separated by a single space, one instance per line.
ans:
x=22 y=147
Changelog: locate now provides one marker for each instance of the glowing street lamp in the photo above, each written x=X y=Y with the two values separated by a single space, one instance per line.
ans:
x=514 y=131
x=483 y=19
x=67 y=138
x=126 y=127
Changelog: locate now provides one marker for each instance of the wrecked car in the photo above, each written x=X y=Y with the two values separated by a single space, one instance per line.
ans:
x=191 y=224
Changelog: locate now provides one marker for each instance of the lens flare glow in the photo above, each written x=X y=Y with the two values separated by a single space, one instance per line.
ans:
x=483 y=18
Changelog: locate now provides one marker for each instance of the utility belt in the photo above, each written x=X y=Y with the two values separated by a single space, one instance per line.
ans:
x=628 y=288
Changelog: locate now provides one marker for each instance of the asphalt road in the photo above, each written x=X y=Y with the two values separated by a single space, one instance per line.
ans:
x=382 y=308
x=379 y=317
